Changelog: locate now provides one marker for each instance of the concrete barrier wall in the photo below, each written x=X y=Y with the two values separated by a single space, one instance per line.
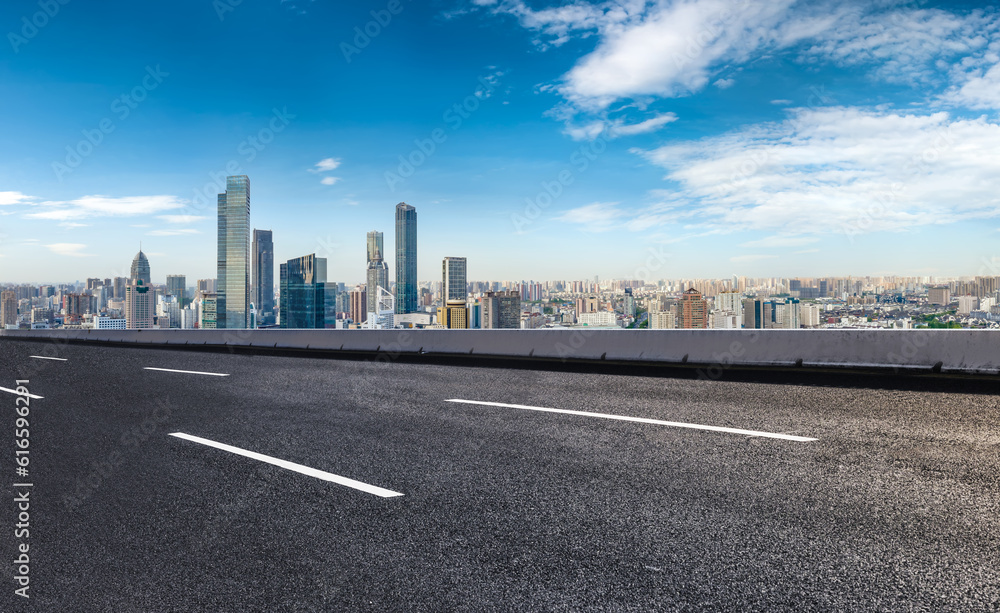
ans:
x=972 y=351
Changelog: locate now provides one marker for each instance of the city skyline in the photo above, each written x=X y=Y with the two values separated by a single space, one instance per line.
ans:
x=825 y=144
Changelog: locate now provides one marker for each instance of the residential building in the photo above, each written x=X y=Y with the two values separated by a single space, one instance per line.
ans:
x=694 y=310
x=501 y=310
x=8 y=309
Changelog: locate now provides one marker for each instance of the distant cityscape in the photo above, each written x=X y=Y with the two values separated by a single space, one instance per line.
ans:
x=244 y=294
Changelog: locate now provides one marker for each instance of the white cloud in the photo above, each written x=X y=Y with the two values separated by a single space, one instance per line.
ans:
x=615 y=128
x=329 y=180
x=782 y=102
x=8 y=198
x=326 y=165
x=68 y=249
x=177 y=232
x=72 y=224
x=596 y=217
x=181 y=219
x=840 y=170
x=105 y=206
x=724 y=83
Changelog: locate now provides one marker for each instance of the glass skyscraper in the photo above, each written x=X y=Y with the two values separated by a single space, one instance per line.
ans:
x=233 y=302
x=406 y=258
x=303 y=292
x=262 y=287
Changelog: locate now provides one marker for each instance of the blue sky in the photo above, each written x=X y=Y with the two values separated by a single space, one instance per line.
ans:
x=627 y=138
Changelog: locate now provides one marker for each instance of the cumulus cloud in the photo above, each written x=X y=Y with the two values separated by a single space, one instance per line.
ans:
x=326 y=165
x=8 y=198
x=839 y=170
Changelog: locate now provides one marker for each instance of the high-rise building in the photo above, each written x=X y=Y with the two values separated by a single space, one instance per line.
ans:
x=140 y=269
x=119 y=284
x=262 y=282
x=233 y=302
x=138 y=305
x=206 y=286
x=501 y=310
x=8 y=308
x=694 y=310
x=302 y=297
x=208 y=318
x=378 y=271
x=939 y=295
x=454 y=315
x=177 y=287
x=406 y=258
x=628 y=303
x=454 y=283
x=359 y=305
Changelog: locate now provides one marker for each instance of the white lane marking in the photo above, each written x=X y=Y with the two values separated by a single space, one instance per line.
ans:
x=188 y=372
x=16 y=393
x=42 y=357
x=299 y=468
x=645 y=420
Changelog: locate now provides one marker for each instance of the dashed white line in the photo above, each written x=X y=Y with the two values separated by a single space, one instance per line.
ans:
x=42 y=357
x=299 y=468
x=188 y=372
x=16 y=393
x=644 y=420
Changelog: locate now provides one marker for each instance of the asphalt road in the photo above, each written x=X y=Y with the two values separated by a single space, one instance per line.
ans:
x=895 y=506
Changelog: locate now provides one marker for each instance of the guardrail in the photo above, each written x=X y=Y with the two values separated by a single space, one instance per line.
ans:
x=938 y=351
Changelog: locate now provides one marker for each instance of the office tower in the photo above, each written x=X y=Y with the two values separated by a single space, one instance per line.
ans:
x=208 y=316
x=138 y=305
x=359 y=304
x=453 y=280
x=8 y=309
x=262 y=282
x=378 y=272
x=177 y=287
x=302 y=297
x=140 y=269
x=501 y=310
x=119 y=285
x=233 y=301
x=694 y=310
x=406 y=258
x=454 y=315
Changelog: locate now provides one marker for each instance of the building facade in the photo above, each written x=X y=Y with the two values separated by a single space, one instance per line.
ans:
x=140 y=269
x=378 y=271
x=177 y=287
x=138 y=305
x=501 y=310
x=233 y=263
x=8 y=309
x=262 y=279
x=406 y=258
x=454 y=282
x=302 y=297
x=694 y=310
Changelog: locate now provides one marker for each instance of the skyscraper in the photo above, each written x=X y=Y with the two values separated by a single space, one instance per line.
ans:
x=138 y=305
x=140 y=269
x=303 y=292
x=8 y=308
x=406 y=258
x=378 y=271
x=694 y=310
x=177 y=287
x=359 y=304
x=262 y=286
x=233 y=303
x=454 y=284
